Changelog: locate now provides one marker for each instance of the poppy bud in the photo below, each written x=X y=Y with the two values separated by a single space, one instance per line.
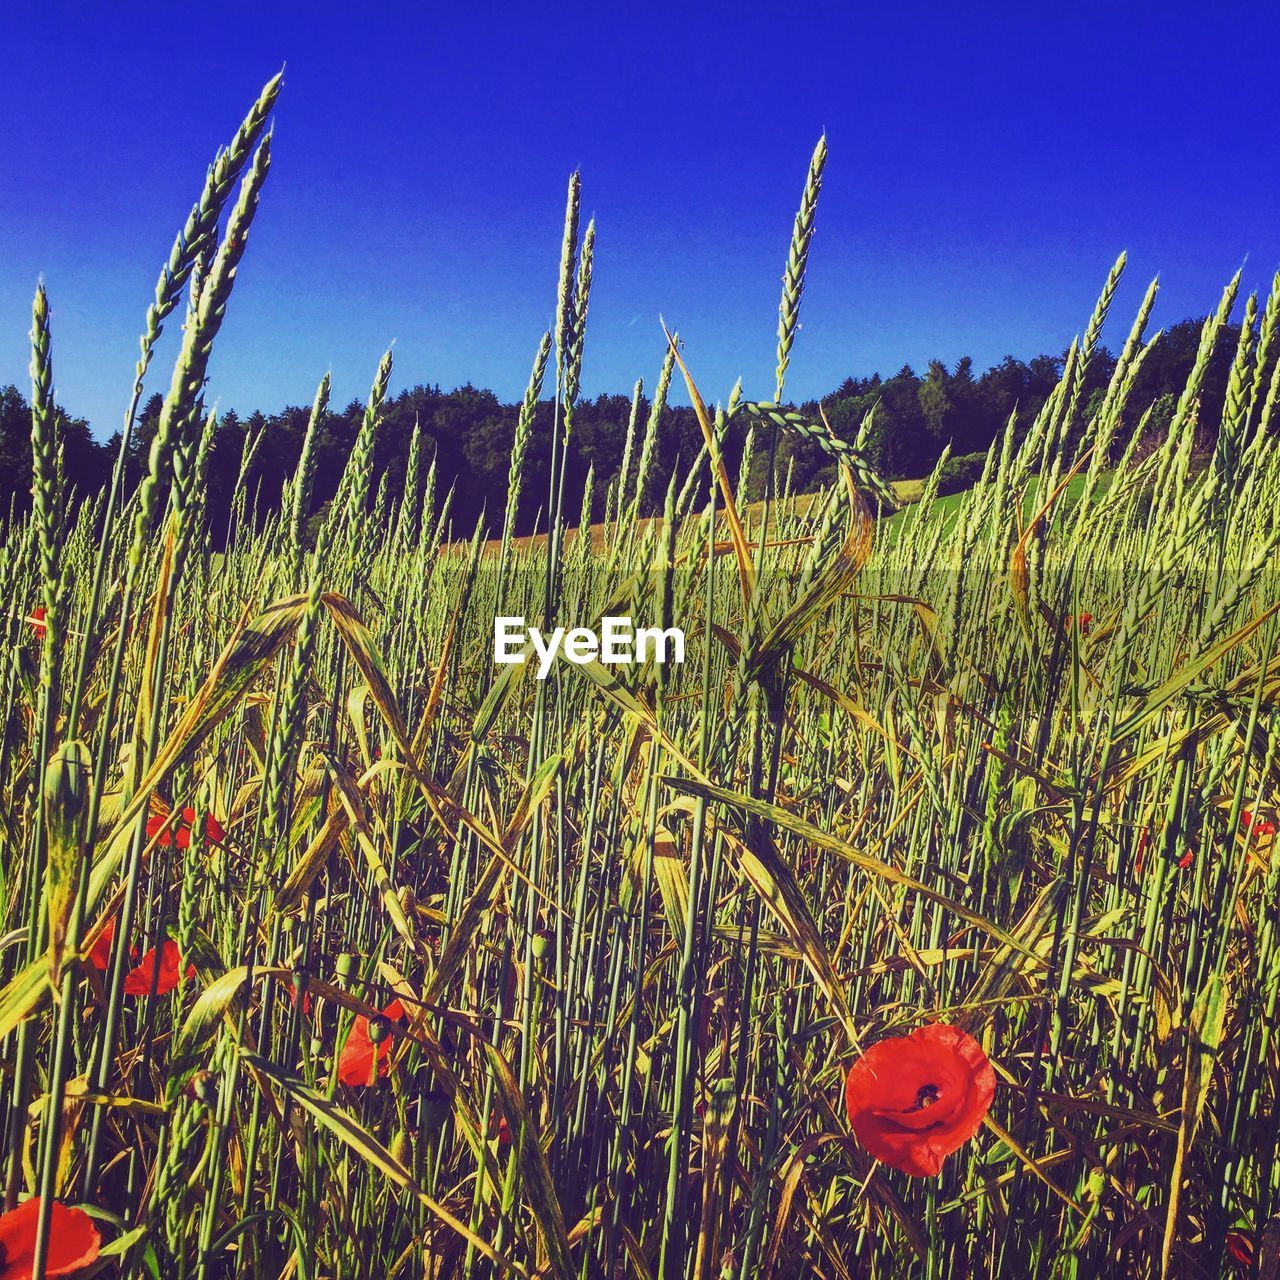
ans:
x=299 y=989
x=204 y=1087
x=541 y=945
x=434 y=1107
x=401 y=1148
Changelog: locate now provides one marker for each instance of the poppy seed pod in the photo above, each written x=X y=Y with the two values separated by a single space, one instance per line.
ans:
x=379 y=1029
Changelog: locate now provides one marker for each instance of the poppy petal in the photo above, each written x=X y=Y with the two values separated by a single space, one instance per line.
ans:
x=141 y=979
x=74 y=1241
x=913 y=1100
x=356 y=1063
x=362 y=1062
x=100 y=953
x=158 y=824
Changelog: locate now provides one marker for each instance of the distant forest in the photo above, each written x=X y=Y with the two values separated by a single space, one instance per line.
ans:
x=470 y=431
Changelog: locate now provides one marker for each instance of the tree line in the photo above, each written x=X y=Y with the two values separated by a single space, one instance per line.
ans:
x=469 y=433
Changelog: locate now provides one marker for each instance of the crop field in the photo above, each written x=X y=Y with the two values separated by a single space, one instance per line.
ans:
x=922 y=922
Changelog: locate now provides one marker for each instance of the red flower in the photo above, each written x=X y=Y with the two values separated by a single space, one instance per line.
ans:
x=1260 y=827
x=913 y=1100
x=1144 y=839
x=73 y=1240
x=140 y=980
x=1240 y=1247
x=179 y=833
x=1082 y=620
x=363 y=1061
x=37 y=621
x=100 y=953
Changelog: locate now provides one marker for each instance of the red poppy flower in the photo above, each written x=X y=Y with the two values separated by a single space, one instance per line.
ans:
x=1240 y=1247
x=37 y=620
x=73 y=1240
x=100 y=953
x=363 y=1062
x=139 y=981
x=179 y=833
x=1144 y=839
x=502 y=1132
x=1082 y=620
x=1259 y=827
x=913 y=1100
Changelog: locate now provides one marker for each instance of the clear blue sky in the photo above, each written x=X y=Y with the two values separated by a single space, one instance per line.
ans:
x=985 y=169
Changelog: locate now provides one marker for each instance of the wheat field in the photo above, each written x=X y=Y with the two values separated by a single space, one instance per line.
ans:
x=331 y=949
